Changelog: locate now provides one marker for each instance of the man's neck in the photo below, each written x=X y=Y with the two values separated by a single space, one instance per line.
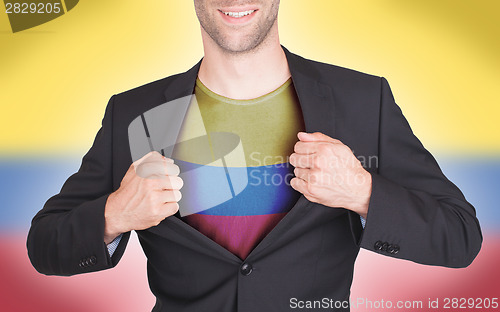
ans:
x=244 y=76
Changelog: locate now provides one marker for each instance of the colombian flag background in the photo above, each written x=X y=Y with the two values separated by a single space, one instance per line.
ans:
x=441 y=59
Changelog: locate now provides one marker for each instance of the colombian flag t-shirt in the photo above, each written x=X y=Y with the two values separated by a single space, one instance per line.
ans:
x=266 y=130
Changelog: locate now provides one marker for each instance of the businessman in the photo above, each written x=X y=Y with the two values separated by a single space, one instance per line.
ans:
x=270 y=242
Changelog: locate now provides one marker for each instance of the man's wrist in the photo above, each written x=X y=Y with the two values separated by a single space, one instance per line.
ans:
x=362 y=201
x=110 y=233
x=110 y=230
x=109 y=238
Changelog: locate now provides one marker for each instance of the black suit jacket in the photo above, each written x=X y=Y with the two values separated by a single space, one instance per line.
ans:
x=415 y=212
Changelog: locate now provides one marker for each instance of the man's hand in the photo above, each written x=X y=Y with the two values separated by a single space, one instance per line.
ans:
x=328 y=173
x=148 y=193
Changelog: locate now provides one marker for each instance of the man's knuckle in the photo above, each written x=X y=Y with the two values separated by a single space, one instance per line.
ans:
x=317 y=177
x=317 y=162
x=178 y=182
x=313 y=172
x=345 y=150
x=297 y=146
x=177 y=170
x=323 y=148
x=166 y=183
x=172 y=208
x=312 y=178
x=177 y=195
x=311 y=189
x=172 y=169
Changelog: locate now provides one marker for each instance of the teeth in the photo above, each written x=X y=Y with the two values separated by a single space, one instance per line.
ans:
x=239 y=14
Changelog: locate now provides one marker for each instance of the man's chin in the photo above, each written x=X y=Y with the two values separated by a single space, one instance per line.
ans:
x=239 y=46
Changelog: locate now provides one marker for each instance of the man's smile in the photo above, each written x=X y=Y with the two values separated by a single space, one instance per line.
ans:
x=237 y=16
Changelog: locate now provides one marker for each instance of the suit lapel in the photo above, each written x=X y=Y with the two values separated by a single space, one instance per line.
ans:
x=183 y=84
x=316 y=99
x=318 y=108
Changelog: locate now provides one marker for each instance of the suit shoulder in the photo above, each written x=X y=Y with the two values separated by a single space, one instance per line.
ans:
x=338 y=74
x=131 y=103
x=149 y=90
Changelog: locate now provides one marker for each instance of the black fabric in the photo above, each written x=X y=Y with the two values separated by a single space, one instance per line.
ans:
x=415 y=212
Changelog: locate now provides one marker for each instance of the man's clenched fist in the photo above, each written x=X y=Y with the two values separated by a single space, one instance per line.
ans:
x=148 y=193
x=328 y=173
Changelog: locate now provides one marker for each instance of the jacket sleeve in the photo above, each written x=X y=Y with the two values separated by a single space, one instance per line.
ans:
x=67 y=236
x=415 y=212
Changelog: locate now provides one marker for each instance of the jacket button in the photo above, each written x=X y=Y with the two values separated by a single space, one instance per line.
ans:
x=384 y=246
x=390 y=249
x=396 y=249
x=82 y=263
x=378 y=245
x=93 y=260
x=246 y=269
